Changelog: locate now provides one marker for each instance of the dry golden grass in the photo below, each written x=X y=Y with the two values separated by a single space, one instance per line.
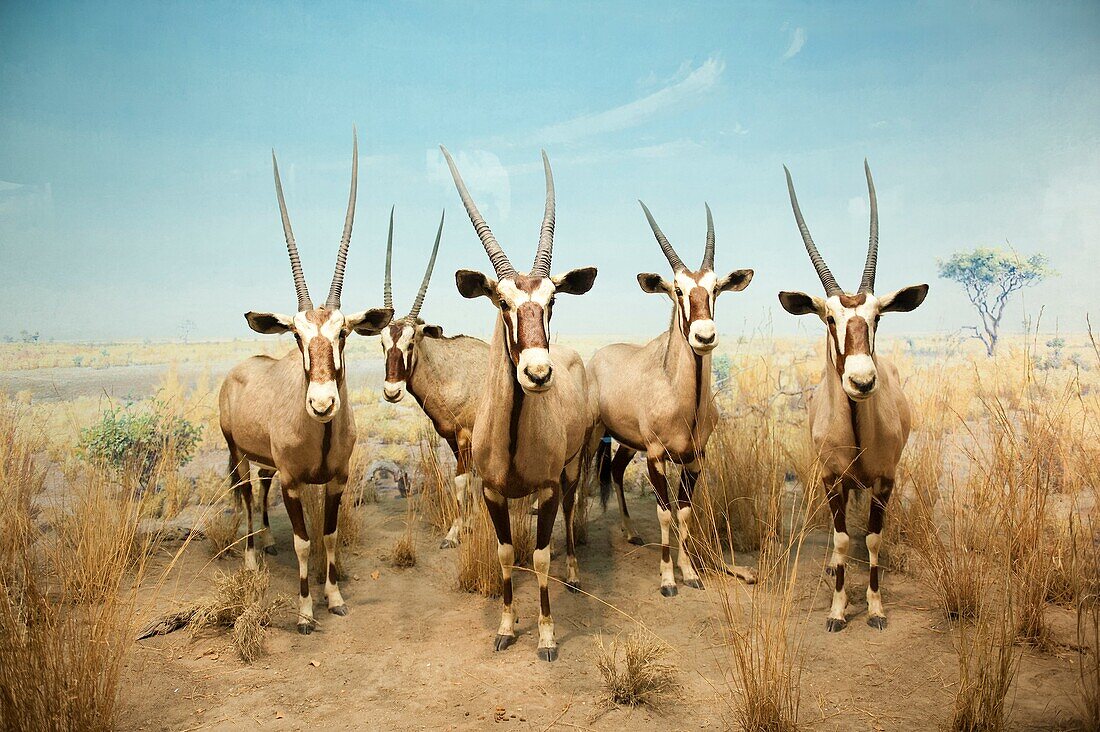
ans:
x=238 y=604
x=434 y=487
x=636 y=672
x=403 y=553
x=221 y=530
x=65 y=623
x=987 y=668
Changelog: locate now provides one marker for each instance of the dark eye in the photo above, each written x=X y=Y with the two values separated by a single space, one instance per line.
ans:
x=504 y=306
x=552 y=301
x=830 y=320
x=679 y=292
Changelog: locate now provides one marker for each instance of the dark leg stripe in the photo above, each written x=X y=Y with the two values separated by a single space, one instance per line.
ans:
x=873 y=581
x=303 y=587
x=544 y=601
x=666 y=553
x=297 y=519
x=332 y=511
x=506 y=591
x=839 y=577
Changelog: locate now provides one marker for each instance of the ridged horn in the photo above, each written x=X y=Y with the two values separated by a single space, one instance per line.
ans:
x=670 y=253
x=387 y=287
x=415 y=312
x=823 y=273
x=501 y=265
x=871 y=265
x=304 y=303
x=333 y=302
x=545 y=252
x=708 y=254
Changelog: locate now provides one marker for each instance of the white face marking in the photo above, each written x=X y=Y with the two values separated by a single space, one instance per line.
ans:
x=322 y=397
x=859 y=369
x=702 y=333
x=534 y=362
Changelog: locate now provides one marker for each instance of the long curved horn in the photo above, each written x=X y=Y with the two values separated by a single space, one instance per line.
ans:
x=708 y=255
x=501 y=265
x=304 y=303
x=871 y=266
x=670 y=253
x=545 y=253
x=823 y=273
x=387 y=291
x=415 y=312
x=337 y=285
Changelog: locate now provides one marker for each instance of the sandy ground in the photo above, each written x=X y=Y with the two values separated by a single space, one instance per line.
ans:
x=415 y=653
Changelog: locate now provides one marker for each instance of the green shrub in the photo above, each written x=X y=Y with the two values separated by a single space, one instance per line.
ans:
x=131 y=438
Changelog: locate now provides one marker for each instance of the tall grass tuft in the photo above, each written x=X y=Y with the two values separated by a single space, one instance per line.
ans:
x=640 y=675
x=478 y=565
x=987 y=667
x=65 y=604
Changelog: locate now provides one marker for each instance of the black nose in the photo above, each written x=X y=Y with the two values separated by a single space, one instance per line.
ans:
x=705 y=340
x=864 y=386
x=538 y=380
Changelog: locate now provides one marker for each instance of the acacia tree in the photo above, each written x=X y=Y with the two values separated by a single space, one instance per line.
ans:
x=990 y=276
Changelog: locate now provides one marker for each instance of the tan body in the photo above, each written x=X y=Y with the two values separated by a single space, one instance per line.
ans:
x=882 y=421
x=507 y=460
x=264 y=421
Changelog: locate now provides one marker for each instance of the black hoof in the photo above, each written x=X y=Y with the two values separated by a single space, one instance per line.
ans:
x=694 y=583
x=271 y=550
x=573 y=587
x=833 y=625
x=503 y=641
x=878 y=622
x=636 y=541
x=305 y=628
x=340 y=610
x=669 y=590
x=548 y=654
x=448 y=544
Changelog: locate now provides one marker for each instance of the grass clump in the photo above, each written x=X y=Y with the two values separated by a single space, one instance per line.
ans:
x=238 y=604
x=635 y=671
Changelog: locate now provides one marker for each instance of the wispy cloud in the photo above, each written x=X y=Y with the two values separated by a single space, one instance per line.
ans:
x=798 y=40
x=486 y=177
x=693 y=84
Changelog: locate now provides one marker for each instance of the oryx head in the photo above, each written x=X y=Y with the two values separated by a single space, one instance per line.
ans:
x=401 y=338
x=320 y=332
x=852 y=319
x=525 y=302
x=693 y=293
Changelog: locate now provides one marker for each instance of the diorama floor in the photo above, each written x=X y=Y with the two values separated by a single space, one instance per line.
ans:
x=415 y=653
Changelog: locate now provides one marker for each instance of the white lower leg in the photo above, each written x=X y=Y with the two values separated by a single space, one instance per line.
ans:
x=332 y=589
x=874 y=598
x=506 y=553
x=683 y=518
x=664 y=516
x=541 y=560
x=460 y=500
x=305 y=601
x=840 y=555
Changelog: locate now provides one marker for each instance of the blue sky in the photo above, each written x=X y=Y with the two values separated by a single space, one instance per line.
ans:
x=136 y=189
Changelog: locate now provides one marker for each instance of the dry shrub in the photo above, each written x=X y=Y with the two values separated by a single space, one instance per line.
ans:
x=238 y=604
x=987 y=668
x=435 y=494
x=403 y=554
x=1086 y=561
x=954 y=567
x=478 y=565
x=64 y=625
x=221 y=531
x=643 y=677
x=763 y=669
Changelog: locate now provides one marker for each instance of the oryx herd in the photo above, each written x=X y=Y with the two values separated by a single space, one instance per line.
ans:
x=525 y=415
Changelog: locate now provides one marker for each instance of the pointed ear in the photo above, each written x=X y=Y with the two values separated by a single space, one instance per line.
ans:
x=653 y=283
x=432 y=331
x=575 y=281
x=473 y=284
x=799 y=303
x=736 y=281
x=269 y=323
x=904 y=300
x=369 y=322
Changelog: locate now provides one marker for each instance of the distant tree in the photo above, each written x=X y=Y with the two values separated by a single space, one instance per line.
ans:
x=185 y=329
x=990 y=276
